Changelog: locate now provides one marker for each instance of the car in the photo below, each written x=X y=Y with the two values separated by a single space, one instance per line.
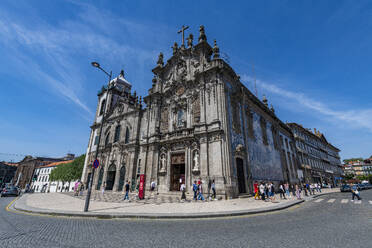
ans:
x=345 y=188
x=10 y=191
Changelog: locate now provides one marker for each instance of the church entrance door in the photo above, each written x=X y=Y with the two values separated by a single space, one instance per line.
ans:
x=177 y=175
x=110 y=177
x=241 y=177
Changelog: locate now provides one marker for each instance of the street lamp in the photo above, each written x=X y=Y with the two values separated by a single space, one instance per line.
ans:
x=87 y=199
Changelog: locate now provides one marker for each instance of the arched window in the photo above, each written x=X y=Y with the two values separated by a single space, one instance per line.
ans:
x=107 y=140
x=117 y=133
x=127 y=136
x=103 y=104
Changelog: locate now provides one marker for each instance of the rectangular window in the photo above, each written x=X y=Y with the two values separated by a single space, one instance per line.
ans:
x=96 y=140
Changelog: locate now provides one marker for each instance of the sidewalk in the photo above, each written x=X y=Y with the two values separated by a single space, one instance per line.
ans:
x=64 y=204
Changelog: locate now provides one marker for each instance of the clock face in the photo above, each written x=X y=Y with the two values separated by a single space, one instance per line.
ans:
x=180 y=91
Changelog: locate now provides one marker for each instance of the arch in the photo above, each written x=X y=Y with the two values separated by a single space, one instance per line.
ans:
x=103 y=104
x=121 y=178
x=117 y=133
x=127 y=136
x=110 y=177
x=240 y=175
x=100 y=177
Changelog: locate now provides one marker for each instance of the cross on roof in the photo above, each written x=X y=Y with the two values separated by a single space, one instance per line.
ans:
x=183 y=34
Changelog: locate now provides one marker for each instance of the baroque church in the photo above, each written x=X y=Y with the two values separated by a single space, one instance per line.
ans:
x=198 y=122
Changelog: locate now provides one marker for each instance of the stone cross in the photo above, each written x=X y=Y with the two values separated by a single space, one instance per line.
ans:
x=183 y=34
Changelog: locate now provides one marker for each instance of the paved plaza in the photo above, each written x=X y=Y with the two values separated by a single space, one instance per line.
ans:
x=153 y=207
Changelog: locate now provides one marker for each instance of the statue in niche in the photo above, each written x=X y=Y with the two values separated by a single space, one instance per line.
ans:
x=196 y=161
x=163 y=163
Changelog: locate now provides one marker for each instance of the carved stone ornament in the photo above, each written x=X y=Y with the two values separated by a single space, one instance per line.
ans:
x=180 y=91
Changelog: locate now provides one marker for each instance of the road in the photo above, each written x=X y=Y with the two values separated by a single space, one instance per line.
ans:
x=331 y=222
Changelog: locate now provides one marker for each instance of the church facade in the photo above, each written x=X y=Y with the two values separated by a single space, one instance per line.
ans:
x=200 y=123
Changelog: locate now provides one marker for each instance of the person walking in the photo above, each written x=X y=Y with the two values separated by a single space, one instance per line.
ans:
x=213 y=190
x=256 y=191
x=282 y=192
x=272 y=192
x=298 y=192
x=126 y=197
x=103 y=188
x=195 y=190
x=183 y=190
x=152 y=188
x=355 y=192
x=81 y=190
x=262 y=191
x=209 y=190
x=286 y=188
x=200 y=196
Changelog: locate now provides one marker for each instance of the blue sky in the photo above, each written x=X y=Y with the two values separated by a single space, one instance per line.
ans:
x=312 y=60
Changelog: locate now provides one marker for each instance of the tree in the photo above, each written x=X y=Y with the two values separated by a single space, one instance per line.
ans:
x=370 y=179
x=68 y=172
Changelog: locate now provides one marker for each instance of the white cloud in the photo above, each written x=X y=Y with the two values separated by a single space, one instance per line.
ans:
x=357 y=118
x=58 y=47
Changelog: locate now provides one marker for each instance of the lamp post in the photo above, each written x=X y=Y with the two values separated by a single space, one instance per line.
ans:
x=87 y=199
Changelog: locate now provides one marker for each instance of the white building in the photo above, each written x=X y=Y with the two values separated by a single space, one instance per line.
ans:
x=42 y=183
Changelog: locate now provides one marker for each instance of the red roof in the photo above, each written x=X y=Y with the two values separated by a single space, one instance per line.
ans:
x=56 y=163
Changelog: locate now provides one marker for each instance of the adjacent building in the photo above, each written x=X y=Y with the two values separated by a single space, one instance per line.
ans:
x=7 y=171
x=43 y=184
x=359 y=167
x=319 y=159
x=26 y=168
x=198 y=122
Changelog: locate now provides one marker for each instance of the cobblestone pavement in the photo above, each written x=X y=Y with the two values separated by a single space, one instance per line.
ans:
x=326 y=223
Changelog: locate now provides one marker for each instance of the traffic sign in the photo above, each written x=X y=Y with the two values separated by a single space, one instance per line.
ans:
x=96 y=164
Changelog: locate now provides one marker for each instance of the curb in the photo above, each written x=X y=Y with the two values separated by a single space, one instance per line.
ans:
x=47 y=212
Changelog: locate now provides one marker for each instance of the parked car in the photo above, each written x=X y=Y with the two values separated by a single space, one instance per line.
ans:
x=10 y=191
x=367 y=185
x=345 y=188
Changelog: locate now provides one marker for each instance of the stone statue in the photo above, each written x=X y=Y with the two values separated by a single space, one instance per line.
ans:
x=196 y=161
x=202 y=36
x=163 y=163
x=175 y=48
x=189 y=40
x=160 y=59
x=216 y=50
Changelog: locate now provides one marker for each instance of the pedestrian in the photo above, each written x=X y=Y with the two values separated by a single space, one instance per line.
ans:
x=305 y=189
x=213 y=190
x=266 y=191
x=209 y=189
x=256 y=191
x=152 y=188
x=103 y=188
x=312 y=192
x=81 y=189
x=183 y=190
x=298 y=192
x=320 y=187
x=126 y=197
x=272 y=191
x=200 y=189
x=355 y=192
x=286 y=188
x=316 y=187
x=262 y=191
x=282 y=192
x=195 y=190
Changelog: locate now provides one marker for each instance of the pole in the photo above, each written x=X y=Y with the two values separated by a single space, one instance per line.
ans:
x=87 y=199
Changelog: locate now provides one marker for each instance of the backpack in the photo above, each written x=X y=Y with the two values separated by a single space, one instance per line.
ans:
x=195 y=187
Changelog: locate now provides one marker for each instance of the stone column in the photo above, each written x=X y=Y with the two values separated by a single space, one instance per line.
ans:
x=117 y=177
